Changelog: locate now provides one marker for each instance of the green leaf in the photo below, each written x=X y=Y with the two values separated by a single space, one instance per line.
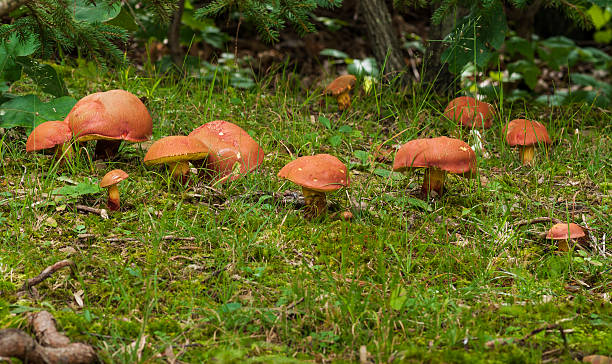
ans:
x=81 y=189
x=521 y=46
x=335 y=140
x=398 y=298
x=396 y=176
x=44 y=76
x=325 y=121
x=603 y=36
x=333 y=53
x=599 y=16
x=558 y=51
x=18 y=48
x=345 y=129
x=99 y=13
x=362 y=155
x=28 y=111
x=361 y=67
x=529 y=71
x=124 y=20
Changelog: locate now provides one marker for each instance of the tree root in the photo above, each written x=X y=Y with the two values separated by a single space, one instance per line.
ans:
x=51 y=347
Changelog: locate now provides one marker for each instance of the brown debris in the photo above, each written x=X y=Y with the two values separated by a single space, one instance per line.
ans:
x=51 y=347
x=46 y=273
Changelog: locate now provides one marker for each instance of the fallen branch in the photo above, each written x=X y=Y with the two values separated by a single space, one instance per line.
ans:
x=92 y=210
x=46 y=273
x=535 y=221
x=15 y=343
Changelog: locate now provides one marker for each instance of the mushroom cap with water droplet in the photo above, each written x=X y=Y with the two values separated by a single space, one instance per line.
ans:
x=448 y=154
x=320 y=172
x=113 y=177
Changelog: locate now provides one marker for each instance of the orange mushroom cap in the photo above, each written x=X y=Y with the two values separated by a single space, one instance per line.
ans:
x=110 y=115
x=48 y=135
x=563 y=231
x=470 y=112
x=526 y=132
x=320 y=172
x=228 y=144
x=176 y=148
x=448 y=154
x=340 y=84
x=113 y=177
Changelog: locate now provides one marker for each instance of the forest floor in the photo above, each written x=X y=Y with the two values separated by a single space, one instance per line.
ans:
x=234 y=273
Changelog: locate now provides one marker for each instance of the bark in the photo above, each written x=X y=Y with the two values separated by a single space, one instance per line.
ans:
x=174 y=32
x=383 y=39
x=436 y=73
x=6 y=6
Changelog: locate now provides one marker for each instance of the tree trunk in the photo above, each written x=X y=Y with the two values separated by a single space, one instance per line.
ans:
x=382 y=38
x=174 y=40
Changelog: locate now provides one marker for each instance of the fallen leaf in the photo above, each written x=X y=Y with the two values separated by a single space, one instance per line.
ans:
x=78 y=297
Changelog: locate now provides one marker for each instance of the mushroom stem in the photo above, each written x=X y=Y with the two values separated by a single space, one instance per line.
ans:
x=316 y=203
x=179 y=170
x=113 y=198
x=433 y=181
x=64 y=153
x=106 y=149
x=344 y=100
x=527 y=153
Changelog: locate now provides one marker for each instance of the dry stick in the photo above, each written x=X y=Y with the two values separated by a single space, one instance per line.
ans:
x=93 y=210
x=535 y=221
x=546 y=328
x=46 y=273
x=15 y=343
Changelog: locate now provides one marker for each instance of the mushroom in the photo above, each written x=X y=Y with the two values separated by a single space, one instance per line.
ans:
x=470 y=112
x=563 y=233
x=439 y=156
x=52 y=135
x=110 y=117
x=339 y=88
x=526 y=134
x=176 y=152
x=317 y=174
x=229 y=145
x=110 y=181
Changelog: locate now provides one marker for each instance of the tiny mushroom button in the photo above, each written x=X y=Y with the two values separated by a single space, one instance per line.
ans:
x=340 y=88
x=109 y=181
x=176 y=152
x=470 y=112
x=564 y=233
x=317 y=175
x=439 y=156
x=526 y=134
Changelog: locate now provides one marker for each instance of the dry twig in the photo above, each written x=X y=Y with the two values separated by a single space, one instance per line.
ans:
x=46 y=273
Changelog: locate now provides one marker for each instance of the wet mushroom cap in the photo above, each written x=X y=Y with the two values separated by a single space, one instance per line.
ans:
x=320 y=172
x=228 y=144
x=560 y=232
x=113 y=177
x=110 y=115
x=448 y=154
x=340 y=84
x=470 y=112
x=176 y=148
x=526 y=132
x=48 y=135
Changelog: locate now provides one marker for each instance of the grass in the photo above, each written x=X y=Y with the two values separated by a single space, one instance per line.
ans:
x=405 y=281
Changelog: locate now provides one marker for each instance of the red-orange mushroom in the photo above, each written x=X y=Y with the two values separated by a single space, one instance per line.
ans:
x=110 y=117
x=439 y=156
x=110 y=181
x=563 y=233
x=526 y=134
x=340 y=88
x=317 y=174
x=230 y=147
x=52 y=135
x=470 y=112
x=176 y=152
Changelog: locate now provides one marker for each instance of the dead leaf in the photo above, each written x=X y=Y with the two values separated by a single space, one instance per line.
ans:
x=78 y=297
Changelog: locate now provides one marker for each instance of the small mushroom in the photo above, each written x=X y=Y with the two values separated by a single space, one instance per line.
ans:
x=317 y=174
x=110 y=181
x=229 y=145
x=110 y=117
x=439 y=156
x=470 y=112
x=176 y=152
x=563 y=233
x=340 y=88
x=54 y=136
x=526 y=134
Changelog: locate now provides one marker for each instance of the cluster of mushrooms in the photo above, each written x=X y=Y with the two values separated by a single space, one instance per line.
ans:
x=222 y=151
